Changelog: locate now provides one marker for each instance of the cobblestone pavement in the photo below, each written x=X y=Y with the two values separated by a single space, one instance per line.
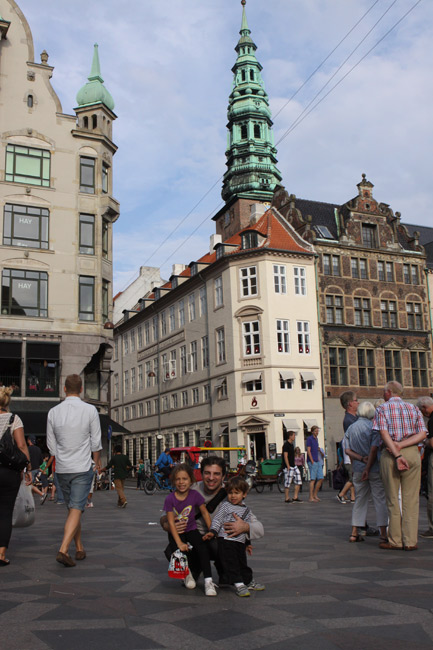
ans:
x=321 y=591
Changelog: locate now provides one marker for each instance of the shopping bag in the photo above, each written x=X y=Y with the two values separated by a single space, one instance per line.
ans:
x=24 y=510
x=178 y=566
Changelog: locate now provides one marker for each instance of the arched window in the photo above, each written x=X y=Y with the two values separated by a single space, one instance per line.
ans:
x=244 y=132
x=86 y=122
x=257 y=131
x=94 y=121
x=243 y=75
x=252 y=75
x=30 y=101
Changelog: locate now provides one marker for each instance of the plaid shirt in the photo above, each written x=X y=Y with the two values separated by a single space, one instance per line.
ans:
x=400 y=419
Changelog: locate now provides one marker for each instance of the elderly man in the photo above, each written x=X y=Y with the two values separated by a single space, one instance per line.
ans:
x=73 y=436
x=425 y=405
x=213 y=470
x=402 y=428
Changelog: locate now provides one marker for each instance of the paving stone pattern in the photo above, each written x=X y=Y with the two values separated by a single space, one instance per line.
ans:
x=322 y=593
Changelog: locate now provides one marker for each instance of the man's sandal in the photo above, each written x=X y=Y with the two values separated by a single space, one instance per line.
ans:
x=355 y=538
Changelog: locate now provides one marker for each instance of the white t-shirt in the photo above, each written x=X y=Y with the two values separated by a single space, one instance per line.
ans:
x=4 y=423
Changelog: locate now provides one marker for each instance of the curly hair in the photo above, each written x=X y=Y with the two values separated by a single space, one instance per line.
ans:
x=182 y=467
x=5 y=396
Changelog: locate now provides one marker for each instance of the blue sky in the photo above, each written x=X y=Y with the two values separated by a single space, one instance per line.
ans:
x=168 y=66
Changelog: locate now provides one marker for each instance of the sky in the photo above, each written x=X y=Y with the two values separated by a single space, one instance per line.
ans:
x=168 y=66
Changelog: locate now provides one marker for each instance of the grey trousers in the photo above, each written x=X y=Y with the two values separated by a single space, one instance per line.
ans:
x=364 y=489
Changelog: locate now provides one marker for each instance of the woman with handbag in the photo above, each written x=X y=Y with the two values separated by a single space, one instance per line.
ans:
x=10 y=477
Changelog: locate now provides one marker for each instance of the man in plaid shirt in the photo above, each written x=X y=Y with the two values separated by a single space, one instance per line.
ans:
x=402 y=428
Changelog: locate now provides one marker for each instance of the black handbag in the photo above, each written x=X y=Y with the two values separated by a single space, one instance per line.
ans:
x=10 y=455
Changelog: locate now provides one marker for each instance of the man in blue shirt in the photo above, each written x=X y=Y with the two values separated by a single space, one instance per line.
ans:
x=314 y=464
x=164 y=463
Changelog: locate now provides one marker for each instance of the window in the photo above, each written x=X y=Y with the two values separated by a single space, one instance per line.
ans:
x=172 y=318
x=104 y=182
x=87 y=175
x=174 y=401
x=393 y=365
x=165 y=367
x=334 y=309
x=414 y=315
x=410 y=274
x=286 y=380
x=366 y=368
x=25 y=226
x=155 y=328
x=381 y=271
x=280 y=285
x=173 y=368
x=30 y=101
x=133 y=411
x=125 y=343
x=191 y=307
x=338 y=366
x=206 y=393
x=202 y=300
x=156 y=406
x=155 y=370
x=140 y=377
x=27 y=165
x=105 y=300
x=254 y=386
x=249 y=240
x=126 y=412
x=140 y=410
x=133 y=384
x=195 y=396
x=116 y=349
x=147 y=332
x=184 y=398
x=359 y=268
x=139 y=337
x=205 y=351
x=193 y=356
x=165 y=403
x=418 y=362
x=257 y=133
x=389 y=267
x=369 y=239
x=42 y=369
x=300 y=281
x=24 y=293
x=249 y=281
x=251 y=335
x=148 y=407
x=362 y=312
x=307 y=384
x=86 y=306
x=244 y=132
x=163 y=324
x=126 y=382
x=132 y=335
x=303 y=330
x=147 y=372
x=222 y=389
x=183 y=364
x=218 y=291
x=221 y=345
x=105 y=229
x=331 y=265
x=388 y=309
x=181 y=313
x=116 y=386
x=194 y=268
x=283 y=336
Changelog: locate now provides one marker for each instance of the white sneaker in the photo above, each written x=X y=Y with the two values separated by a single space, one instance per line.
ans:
x=189 y=582
x=209 y=588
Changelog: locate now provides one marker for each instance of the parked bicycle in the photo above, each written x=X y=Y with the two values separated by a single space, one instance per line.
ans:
x=157 y=482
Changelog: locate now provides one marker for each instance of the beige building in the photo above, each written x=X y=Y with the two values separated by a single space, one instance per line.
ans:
x=56 y=229
x=226 y=351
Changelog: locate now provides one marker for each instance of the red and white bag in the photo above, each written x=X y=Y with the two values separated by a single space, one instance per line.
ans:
x=178 y=567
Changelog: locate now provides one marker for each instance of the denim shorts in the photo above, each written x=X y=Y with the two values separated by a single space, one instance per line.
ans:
x=75 y=488
x=316 y=471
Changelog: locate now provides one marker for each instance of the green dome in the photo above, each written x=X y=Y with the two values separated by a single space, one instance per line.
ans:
x=94 y=91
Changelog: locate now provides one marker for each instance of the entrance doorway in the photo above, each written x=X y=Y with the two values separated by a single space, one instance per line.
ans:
x=258 y=445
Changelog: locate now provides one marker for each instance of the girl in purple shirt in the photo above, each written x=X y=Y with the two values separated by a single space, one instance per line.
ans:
x=181 y=505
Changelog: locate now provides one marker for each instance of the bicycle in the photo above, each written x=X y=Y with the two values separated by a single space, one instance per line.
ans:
x=157 y=482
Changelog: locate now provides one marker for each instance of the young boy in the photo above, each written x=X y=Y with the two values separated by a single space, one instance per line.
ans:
x=232 y=551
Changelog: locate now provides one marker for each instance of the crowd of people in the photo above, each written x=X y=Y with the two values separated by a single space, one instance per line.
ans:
x=210 y=522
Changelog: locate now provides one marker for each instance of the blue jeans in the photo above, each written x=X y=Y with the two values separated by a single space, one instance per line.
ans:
x=76 y=487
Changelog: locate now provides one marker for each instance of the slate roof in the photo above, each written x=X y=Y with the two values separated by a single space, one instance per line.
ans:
x=425 y=232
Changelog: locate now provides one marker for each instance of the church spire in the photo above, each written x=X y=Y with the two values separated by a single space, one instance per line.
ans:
x=251 y=162
x=94 y=91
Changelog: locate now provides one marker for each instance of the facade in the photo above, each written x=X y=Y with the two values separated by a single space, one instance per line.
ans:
x=56 y=229
x=227 y=351
x=148 y=278
x=374 y=309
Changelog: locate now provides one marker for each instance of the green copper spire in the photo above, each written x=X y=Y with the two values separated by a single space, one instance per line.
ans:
x=251 y=162
x=94 y=91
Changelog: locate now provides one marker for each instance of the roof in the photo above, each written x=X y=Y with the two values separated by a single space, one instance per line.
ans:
x=425 y=232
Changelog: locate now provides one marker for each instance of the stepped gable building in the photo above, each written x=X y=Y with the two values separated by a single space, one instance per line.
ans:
x=57 y=212
x=217 y=354
x=373 y=297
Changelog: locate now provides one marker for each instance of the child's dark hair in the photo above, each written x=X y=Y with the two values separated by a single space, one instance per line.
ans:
x=182 y=467
x=237 y=484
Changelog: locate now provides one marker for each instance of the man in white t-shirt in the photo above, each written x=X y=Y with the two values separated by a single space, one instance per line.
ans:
x=73 y=437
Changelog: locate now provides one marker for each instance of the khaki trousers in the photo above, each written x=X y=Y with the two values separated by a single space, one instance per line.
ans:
x=119 y=485
x=403 y=526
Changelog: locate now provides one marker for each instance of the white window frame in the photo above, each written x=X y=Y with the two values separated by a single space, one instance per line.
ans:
x=181 y=313
x=280 y=278
x=205 y=351
x=303 y=332
x=140 y=377
x=251 y=338
x=195 y=396
x=248 y=281
x=191 y=307
x=219 y=293
x=202 y=301
x=300 y=280
x=184 y=398
x=193 y=355
x=173 y=368
x=220 y=345
x=125 y=382
x=172 y=318
x=133 y=382
x=283 y=336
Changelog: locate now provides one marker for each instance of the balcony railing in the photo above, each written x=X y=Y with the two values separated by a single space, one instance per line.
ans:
x=13 y=381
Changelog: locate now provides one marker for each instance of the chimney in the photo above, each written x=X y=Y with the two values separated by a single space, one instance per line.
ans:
x=257 y=210
x=214 y=240
x=178 y=268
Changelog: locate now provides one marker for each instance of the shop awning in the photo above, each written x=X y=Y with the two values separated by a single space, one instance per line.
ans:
x=291 y=425
x=287 y=374
x=251 y=376
x=311 y=423
x=308 y=376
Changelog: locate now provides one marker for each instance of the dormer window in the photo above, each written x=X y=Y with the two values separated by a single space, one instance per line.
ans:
x=157 y=293
x=249 y=240
x=174 y=283
x=369 y=235
x=219 y=251
x=194 y=269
